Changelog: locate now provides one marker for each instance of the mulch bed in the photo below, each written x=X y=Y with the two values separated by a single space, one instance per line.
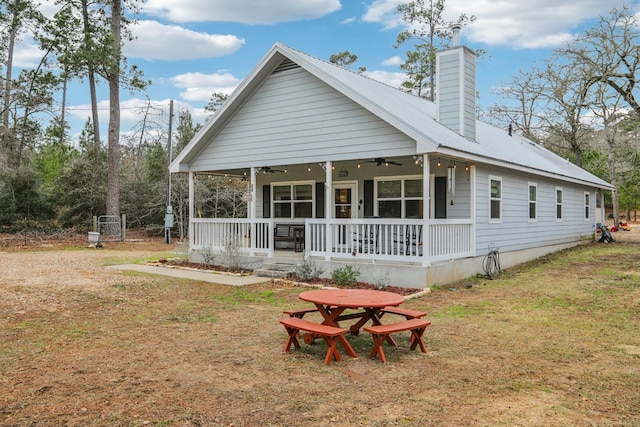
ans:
x=317 y=281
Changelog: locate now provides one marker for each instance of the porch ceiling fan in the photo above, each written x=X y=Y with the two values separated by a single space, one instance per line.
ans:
x=269 y=169
x=379 y=161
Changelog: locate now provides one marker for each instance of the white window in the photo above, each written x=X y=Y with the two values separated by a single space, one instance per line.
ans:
x=533 y=202
x=558 y=204
x=292 y=200
x=495 y=199
x=399 y=197
x=586 y=206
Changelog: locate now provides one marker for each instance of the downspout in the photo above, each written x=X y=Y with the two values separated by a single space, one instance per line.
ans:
x=327 y=208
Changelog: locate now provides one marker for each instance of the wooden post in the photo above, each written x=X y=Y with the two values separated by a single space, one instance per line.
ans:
x=95 y=224
x=123 y=228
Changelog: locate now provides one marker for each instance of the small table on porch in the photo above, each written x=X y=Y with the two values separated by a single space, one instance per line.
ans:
x=331 y=303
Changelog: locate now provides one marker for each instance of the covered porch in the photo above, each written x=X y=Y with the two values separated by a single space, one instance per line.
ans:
x=372 y=211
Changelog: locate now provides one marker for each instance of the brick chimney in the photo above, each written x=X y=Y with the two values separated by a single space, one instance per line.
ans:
x=456 y=87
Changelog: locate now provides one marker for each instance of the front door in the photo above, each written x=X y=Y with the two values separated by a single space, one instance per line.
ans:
x=440 y=197
x=345 y=206
x=344 y=200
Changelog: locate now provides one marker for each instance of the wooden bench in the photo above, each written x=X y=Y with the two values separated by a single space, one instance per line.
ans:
x=407 y=313
x=300 y=312
x=381 y=332
x=290 y=233
x=330 y=334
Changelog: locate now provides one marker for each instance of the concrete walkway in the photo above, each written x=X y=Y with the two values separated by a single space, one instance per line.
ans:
x=204 y=276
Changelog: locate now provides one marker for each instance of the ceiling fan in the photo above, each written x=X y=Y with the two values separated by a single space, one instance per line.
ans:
x=379 y=161
x=268 y=169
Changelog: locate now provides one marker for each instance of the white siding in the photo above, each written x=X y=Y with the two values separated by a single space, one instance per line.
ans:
x=515 y=232
x=296 y=118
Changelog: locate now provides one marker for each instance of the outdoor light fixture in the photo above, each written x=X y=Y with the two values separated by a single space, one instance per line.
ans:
x=439 y=163
x=418 y=160
x=308 y=168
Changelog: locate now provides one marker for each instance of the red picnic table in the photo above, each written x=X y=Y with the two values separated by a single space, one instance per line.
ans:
x=331 y=303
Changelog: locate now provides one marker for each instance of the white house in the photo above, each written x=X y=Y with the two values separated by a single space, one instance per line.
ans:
x=350 y=170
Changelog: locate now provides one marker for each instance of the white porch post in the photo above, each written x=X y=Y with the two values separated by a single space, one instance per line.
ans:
x=253 y=227
x=191 y=207
x=472 y=186
x=426 y=237
x=327 y=208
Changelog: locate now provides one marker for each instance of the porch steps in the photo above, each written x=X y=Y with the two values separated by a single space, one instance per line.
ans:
x=279 y=269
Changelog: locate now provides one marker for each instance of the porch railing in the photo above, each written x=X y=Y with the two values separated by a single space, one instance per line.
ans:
x=390 y=239
x=251 y=235
x=376 y=238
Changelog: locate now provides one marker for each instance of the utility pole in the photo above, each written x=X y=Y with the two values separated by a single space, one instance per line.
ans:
x=168 y=217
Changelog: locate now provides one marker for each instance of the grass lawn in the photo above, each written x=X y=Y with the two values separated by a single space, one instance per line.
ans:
x=554 y=342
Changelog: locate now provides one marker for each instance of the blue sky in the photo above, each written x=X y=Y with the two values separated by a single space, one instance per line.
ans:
x=193 y=48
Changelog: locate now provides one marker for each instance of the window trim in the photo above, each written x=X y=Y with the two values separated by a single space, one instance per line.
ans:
x=491 y=199
x=559 y=204
x=402 y=198
x=535 y=202
x=587 y=206
x=291 y=184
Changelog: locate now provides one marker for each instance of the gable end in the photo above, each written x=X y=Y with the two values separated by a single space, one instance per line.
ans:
x=285 y=65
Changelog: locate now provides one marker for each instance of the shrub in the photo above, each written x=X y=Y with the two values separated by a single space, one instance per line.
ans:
x=345 y=276
x=382 y=281
x=209 y=256
x=232 y=253
x=307 y=270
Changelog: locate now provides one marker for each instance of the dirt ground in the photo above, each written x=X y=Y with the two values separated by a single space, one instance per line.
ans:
x=554 y=342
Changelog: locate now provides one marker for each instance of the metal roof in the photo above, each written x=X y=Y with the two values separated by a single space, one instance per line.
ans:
x=414 y=116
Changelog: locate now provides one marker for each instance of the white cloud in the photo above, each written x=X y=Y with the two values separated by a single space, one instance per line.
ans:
x=394 y=61
x=27 y=54
x=200 y=87
x=530 y=24
x=242 y=11
x=171 y=42
x=48 y=8
x=384 y=12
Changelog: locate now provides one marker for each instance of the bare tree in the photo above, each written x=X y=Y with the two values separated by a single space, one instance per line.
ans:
x=522 y=114
x=611 y=52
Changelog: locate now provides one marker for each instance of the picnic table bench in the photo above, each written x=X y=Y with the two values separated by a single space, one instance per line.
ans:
x=381 y=333
x=330 y=334
x=406 y=312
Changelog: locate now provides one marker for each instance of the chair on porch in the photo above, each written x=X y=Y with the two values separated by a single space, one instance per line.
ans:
x=366 y=239
x=409 y=243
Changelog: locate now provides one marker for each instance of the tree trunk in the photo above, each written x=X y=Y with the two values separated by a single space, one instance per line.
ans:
x=92 y=79
x=6 y=135
x=612 y=173
x=63 y=109
x=113 y=179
